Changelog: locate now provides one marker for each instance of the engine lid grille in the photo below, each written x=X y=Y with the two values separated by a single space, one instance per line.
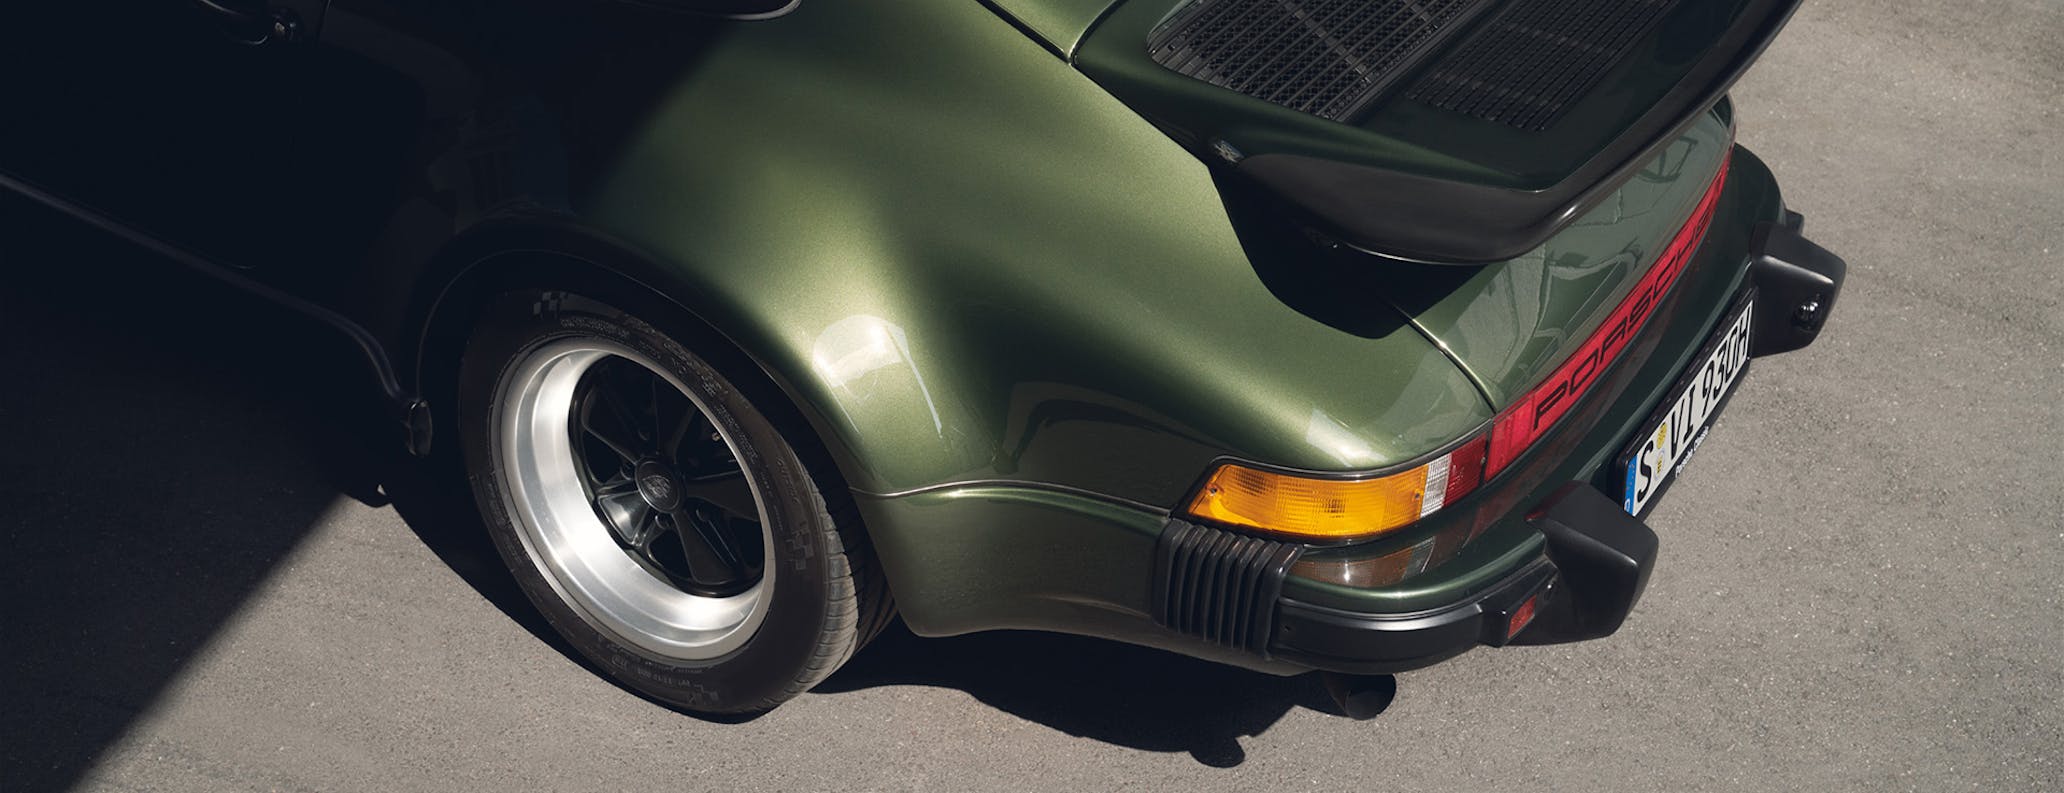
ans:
x=1328 y=58
x=1528 y=64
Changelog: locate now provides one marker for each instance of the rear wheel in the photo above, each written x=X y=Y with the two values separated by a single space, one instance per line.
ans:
x=660 y=520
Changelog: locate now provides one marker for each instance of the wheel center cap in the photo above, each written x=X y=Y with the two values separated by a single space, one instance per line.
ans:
x=659 y=485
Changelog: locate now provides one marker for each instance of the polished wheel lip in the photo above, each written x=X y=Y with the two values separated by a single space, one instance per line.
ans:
x=571 y=545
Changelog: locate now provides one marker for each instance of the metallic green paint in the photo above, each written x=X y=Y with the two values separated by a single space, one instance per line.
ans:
x=1060 y=23
x=1512 y=323
x=1023 y=319
x=990 y=282
x=1397 y=133
x=997 y=557
x=1578 y=450
x=989 y=556
x=1197 y=113
x=980 y=284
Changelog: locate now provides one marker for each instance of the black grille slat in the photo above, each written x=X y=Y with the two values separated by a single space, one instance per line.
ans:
x=1209 y=610
x=1328 y=58
x=1219 y=585
x=1531 y=62
x=1232 y=618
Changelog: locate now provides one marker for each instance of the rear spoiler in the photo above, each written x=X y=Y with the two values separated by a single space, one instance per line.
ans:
x=725 y=9
x=1440 y=131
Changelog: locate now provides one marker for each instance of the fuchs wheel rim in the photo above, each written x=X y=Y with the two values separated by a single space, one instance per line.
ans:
x=631 y=501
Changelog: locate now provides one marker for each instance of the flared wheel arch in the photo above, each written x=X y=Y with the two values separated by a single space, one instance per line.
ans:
x=553 y=254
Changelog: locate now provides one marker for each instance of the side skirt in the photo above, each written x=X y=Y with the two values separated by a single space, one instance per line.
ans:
x=405 y=405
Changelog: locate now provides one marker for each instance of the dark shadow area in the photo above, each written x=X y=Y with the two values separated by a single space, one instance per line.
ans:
x=1112 y=692
x=168 y=443
x=433 y=500
x=1350 y=291
x=1117 y=693
x=163 y=446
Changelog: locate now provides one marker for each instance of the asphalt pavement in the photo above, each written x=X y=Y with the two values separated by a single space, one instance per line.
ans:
x=211 y=581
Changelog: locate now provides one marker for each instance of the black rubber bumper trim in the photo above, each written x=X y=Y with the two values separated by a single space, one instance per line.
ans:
x=1593 y=568
x=1218 y=585
x=1602 y=556
x=1796 y=286
x=1355 y=643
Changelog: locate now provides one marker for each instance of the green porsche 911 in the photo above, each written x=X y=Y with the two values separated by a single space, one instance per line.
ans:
x=1337 y=335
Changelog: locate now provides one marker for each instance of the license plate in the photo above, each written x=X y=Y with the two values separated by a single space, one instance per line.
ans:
x=1675 y=431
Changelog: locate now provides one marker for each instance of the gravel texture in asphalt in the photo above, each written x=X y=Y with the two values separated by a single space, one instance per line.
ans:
x=205 y=586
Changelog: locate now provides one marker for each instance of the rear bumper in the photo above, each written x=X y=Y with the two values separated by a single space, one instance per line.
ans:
x=1796 y=285
x=1593 y=570
x=987 y=556
x=1595 y=559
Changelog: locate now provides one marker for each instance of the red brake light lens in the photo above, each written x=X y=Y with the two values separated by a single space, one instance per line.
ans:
x=1313 y=508
x=1528 y=419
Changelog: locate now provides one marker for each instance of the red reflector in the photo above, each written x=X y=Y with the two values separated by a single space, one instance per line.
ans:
x=1520 y=617
x=1531 y=417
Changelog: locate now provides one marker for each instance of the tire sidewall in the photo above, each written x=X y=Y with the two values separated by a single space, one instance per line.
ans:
x=804 y=548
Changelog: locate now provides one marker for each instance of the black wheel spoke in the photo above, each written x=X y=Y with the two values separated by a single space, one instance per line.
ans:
x=648 y=527
x=633 y=520
x=702 y=450
x=713 y=557
x=663 y=478
x=609 y=425
x=616 y=486
x=625 y=496
x=675 y=417
x=654 y=384
x=632 y=389
x=727 y=491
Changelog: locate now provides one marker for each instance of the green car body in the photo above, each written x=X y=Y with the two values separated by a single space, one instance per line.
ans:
x=1023 y=319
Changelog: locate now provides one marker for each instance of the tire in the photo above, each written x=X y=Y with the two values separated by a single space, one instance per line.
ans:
x=694 y=557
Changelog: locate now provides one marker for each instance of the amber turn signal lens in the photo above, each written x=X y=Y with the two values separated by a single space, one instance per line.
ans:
x=1336 y=509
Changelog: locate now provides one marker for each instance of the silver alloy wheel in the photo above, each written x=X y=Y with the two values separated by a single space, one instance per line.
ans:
x=583 y=554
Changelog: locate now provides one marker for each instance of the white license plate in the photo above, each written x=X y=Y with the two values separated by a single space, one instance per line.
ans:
x=1675 y=432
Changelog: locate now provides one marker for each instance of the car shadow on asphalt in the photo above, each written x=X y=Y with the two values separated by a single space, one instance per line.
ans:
x=434 y=501
x=1129 y=696
x=164 y=447
x=169 y=444
x=1120 y=694
x=1124 y=695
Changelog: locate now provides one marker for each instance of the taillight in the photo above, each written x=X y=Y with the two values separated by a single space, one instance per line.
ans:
x=1527 y=419
x=1337 y=509
x=1358 y=508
